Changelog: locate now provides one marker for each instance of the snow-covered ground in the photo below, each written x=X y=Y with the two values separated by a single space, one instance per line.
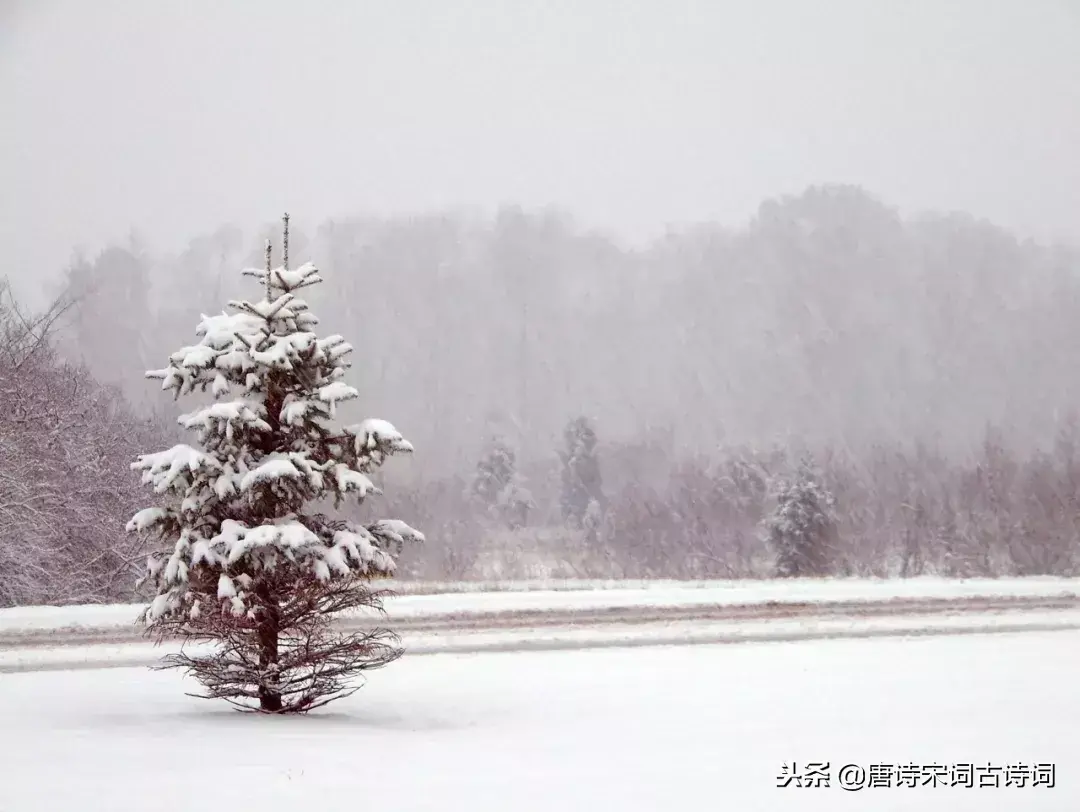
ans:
x=666 y=594
x=679 y=728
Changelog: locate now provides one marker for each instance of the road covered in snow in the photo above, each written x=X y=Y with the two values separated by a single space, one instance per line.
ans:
x=956 y=724
x=566 y=615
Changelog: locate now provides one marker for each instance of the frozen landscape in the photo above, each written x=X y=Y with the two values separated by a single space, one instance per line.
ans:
x=700 y=380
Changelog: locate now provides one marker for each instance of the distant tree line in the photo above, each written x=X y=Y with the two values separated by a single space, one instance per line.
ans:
x=828 y=319
x=783 y=513
x=831 y=390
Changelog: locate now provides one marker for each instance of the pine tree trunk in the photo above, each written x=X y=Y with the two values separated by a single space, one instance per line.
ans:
x=270 y=616
x=269 y=626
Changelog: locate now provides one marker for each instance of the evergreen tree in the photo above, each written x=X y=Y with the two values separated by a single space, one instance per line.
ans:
x=802 y=529
x=497 y=486
x=250 y=566
x=581 y=482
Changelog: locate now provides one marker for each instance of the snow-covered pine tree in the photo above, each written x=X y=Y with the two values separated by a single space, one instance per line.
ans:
x=802 y=528
x=581 y=482
x=498 y=487
x=250 y=566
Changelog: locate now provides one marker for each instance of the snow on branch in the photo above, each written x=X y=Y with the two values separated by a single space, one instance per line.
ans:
x=286 y=281
x=175 y=468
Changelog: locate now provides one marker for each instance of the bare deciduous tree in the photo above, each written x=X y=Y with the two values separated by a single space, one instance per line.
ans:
x=63 y=492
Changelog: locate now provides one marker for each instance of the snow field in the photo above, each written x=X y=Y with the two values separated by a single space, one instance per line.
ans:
x=681 y=728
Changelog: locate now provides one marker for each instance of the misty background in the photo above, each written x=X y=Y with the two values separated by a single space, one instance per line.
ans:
x=728 y=235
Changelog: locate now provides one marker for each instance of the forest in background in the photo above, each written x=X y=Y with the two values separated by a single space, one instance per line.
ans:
x=898 y=393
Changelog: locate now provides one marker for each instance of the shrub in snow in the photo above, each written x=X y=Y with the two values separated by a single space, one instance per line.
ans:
x=581 y=483
x=802 y=528
x=250 y=566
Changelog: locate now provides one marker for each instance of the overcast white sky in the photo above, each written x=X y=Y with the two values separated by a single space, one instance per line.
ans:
x=175 y=118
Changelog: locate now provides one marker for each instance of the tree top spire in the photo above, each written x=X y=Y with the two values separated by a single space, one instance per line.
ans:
x=285 y=242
